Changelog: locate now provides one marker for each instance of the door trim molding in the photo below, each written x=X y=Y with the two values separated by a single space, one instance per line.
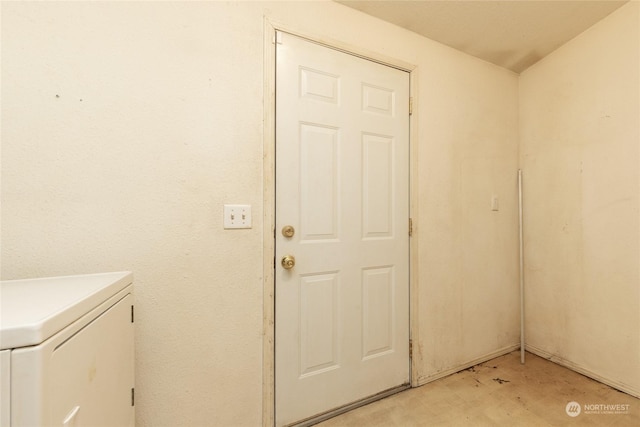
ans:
x=268 y=342
x=268 y=239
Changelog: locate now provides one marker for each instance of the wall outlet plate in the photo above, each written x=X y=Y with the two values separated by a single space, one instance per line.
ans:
x=237 y=216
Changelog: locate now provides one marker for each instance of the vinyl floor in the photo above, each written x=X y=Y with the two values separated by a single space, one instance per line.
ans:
x=502 y=392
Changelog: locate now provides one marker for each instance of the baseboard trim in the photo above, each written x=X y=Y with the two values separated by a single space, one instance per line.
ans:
x=429 y=378
x=625 y=388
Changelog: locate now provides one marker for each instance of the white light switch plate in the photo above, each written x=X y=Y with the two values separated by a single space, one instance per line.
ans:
x=494 y=203
x=237 y=216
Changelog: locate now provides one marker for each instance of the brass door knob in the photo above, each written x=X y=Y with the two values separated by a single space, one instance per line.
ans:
x=288 y=262
x=288 y=231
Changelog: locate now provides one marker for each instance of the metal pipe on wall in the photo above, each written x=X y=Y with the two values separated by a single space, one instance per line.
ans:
x=521 y=241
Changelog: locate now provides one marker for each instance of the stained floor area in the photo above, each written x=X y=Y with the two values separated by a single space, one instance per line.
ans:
x=502 y=392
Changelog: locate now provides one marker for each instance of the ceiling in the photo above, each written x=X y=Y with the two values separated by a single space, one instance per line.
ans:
x=512 y=34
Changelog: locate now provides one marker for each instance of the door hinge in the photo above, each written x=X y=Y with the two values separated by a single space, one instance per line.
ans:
x=410 y=349
x=277 y=39
x=410 y=105
x=133 y=396
x=132 y=314
x=410 y=227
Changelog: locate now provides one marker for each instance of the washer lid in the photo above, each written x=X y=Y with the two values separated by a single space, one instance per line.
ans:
x=32 y=310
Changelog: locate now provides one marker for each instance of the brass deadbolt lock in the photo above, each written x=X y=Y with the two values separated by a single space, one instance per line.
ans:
x=288 y=231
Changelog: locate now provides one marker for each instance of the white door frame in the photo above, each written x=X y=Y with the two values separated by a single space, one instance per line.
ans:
x=268 y=366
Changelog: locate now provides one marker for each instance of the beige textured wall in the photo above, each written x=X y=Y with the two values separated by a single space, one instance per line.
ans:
x=127 y=125
x=468 y=253
x=580 y=155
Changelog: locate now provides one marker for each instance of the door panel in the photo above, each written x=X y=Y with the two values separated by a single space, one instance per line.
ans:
x=378 y=311
x=342 y=182
x=318 y=181
x=377 y=186
x=318 y=323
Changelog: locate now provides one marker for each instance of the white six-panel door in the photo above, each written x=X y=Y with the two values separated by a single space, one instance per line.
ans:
x=342 y=183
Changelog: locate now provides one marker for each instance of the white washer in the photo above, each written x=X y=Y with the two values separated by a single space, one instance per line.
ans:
x=67 y=351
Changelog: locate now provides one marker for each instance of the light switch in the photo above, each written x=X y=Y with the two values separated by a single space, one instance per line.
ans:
x=494 y=203
x=237 y=216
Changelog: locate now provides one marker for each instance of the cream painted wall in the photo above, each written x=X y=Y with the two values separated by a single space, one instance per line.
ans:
x=469 y=295
x=127 y=125
x=580 y=155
